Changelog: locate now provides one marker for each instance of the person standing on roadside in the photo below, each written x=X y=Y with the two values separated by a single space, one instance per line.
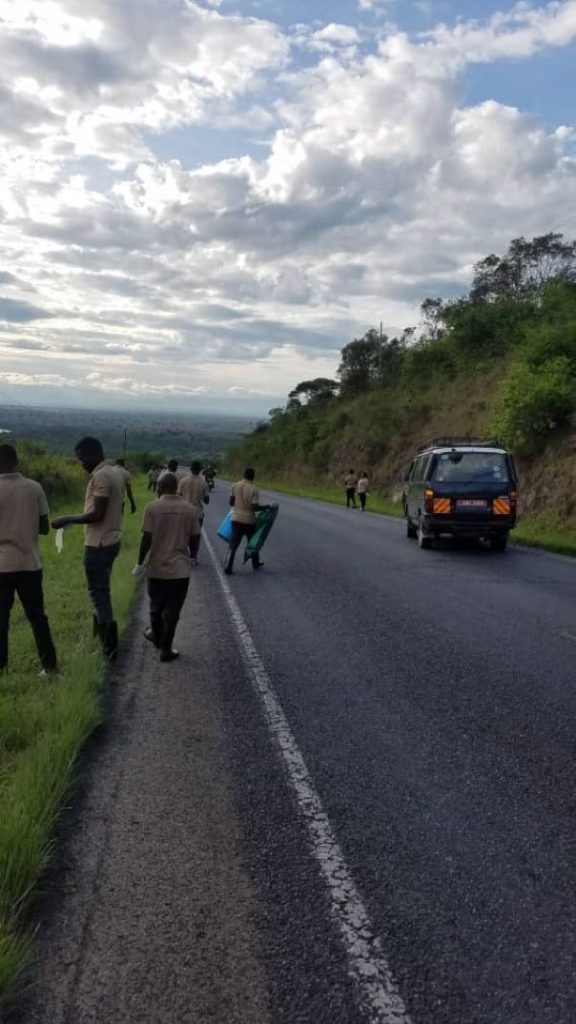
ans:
x=169 y=530
x=153 y=474
x=121 y=467
x=362 y=489
x=350 y=482
x=194 y=489
x=102 y=521
x=23 y=515
x=245 y=503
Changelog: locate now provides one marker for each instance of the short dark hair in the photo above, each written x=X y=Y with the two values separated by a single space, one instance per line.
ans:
x=168 y=483
x=173 y=465
x=249 y=473
x=89 y=444
x=120 y=462
x=195 y=466
x=8 y=455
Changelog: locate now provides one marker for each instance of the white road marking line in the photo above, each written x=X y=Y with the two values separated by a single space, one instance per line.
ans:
x=367 y=963
x=569 y=636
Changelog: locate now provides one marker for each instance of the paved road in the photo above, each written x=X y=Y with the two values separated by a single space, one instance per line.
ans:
x=431 y=696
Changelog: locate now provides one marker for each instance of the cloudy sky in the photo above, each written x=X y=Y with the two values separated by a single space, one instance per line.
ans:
x=200 y=203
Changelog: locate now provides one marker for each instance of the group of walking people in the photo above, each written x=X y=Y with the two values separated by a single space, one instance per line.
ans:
x=356 y=486
x=24 y=515
x=170 y=542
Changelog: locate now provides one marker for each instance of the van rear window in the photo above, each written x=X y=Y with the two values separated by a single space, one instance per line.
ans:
x=468 y=467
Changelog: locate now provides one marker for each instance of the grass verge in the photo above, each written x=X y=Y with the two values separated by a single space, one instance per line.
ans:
x=537 y=532
x=44 y=724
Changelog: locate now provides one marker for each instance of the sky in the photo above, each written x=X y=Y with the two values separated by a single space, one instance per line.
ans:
x=201 y=203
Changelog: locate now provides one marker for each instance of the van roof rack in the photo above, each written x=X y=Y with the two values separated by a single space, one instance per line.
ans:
x=451 y=442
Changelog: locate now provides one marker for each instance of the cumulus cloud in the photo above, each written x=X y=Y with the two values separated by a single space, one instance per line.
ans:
x=369 y=184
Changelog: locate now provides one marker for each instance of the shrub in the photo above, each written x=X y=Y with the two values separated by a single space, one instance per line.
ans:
x=532 y=402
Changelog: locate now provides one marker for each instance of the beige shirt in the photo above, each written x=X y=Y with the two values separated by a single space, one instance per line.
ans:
x=363 y=485
x=22 y=502
x=245 y=497
x=194 y=488
x=350 y=480
x=172 y=521
x=105 y=482
x=126 y=478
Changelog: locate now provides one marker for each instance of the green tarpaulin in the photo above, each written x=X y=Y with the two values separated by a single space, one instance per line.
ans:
x=264 y=523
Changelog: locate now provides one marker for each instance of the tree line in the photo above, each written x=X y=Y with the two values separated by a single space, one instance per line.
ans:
x=521 y=309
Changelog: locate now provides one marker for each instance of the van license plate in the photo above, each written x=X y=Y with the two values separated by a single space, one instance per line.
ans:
x=471 y=503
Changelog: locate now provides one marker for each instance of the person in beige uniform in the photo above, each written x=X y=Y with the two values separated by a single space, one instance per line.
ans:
x=102 y=521
x=125 y=474
x=23 y=515
x=169 y=530
x=194 y=489
x=350 y=482
x=245 y=503
x=362 y=489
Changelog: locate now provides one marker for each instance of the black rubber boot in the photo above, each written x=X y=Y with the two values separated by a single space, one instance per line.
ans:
x=109 y=639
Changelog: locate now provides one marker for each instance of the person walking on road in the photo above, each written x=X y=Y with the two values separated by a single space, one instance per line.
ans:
x=194 y=489
x=124 y=473
x=245 y=503
x=169 y=530
x=23 y=515
x=350 y=482
x=102 y=521
x=362 y=489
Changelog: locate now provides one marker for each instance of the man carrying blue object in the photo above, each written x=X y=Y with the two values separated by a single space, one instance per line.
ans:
x=245 y=503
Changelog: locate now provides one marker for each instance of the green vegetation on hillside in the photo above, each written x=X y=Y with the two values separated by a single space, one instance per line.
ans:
x=500 y=362
x=44 y=722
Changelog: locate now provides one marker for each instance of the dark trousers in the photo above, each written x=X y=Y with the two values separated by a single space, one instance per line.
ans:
x=166 y=600
x=195 y=541
x=350 y=496
x=98 y=563
x=28 y=587
x=362 y=496
x=240 y=530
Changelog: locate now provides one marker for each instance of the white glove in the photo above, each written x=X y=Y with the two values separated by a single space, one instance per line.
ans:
x=138 y=570
x=59 y=540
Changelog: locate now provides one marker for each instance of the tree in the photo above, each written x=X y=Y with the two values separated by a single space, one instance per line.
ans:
x=276 y=412
x=317 y=390
x=432 y=311
x=526 y=269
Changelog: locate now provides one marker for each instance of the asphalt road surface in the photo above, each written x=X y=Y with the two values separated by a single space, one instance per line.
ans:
x=351 y=800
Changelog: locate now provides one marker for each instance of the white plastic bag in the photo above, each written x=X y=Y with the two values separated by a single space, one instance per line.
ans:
x=59 y=540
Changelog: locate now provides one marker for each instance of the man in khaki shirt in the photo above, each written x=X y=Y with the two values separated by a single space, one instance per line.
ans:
x=23 y=515
x=169 y=530
x=102 y=521
x=125 y=474
x=245 y=503
x=350 y=483
x=194 y=489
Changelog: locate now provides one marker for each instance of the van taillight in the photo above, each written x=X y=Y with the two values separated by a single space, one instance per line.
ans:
x=428 y=500
x=513 y=500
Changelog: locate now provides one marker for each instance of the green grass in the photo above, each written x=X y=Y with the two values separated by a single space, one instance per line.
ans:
x=538 y=532
x=44 y=723
x=535 y=532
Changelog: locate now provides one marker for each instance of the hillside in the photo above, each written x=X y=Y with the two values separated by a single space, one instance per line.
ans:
x=499 y=363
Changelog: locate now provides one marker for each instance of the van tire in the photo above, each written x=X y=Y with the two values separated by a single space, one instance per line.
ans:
x=499 y=543
x=411 y=531
x=424 y=539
